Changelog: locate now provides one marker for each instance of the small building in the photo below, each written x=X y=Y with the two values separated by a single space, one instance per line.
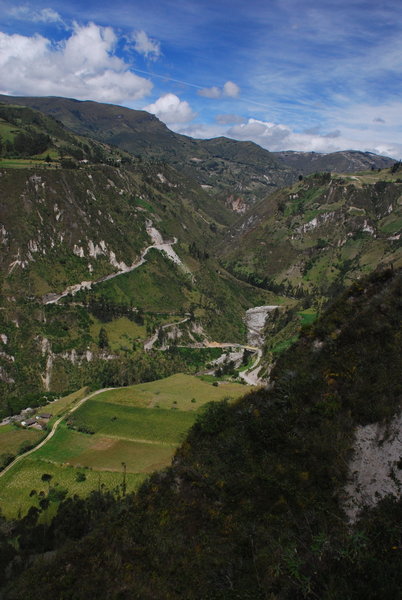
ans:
x=28 y=422
x=38 y=426
x=46 y=416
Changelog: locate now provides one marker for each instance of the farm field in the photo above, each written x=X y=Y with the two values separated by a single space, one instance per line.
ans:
x=12 y=438
x=140 y=426
x=16 y=486
x=178 y=391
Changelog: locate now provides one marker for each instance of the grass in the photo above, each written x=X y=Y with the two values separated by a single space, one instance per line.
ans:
x=23 y=163
x=175 y=391
x=282 y=346
x=121 y=332
x=391 y=224
x=139 y=425
x=139 y=457
x=105 y=453
x=144 y=204
x=156 y=283
x=17 y=484
x=12 y=438
x=308 y=316
x=133 y=423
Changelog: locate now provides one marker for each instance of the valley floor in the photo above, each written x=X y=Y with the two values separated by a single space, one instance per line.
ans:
x=108 y=437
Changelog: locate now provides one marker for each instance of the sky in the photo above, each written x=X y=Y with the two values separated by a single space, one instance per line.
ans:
x=306 y=75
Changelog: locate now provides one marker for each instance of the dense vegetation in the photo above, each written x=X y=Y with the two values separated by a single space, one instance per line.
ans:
x=252 y=506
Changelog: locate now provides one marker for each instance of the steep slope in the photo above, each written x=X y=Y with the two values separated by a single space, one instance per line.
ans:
x=312 y=240
x=238 y=173
x=323 y=232
x=102 y=242
x=253 y=504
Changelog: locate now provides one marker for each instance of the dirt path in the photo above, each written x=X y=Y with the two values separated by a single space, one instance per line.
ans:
x=53 y=430
x=157 y=244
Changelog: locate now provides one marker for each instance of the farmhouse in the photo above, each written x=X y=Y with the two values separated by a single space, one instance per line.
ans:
x=28 y=422
x=45 y=416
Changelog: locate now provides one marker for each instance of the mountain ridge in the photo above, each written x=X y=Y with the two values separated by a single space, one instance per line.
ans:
x=221 y=165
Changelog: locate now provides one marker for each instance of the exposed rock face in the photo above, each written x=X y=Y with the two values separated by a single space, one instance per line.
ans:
x=376 y=467
x=255 y=321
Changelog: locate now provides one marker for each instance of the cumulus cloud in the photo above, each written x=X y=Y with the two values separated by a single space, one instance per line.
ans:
x=230 y=90
x=145 y=45
x=171 y=110
x=83 y=66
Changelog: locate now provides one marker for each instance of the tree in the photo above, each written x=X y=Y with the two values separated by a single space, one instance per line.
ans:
x=103 y=338
x=47 y=478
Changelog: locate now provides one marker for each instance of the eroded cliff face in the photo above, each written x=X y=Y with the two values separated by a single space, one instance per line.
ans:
x=375 y=470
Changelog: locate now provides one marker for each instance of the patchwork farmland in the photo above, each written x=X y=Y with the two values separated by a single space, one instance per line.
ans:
x=119 y=435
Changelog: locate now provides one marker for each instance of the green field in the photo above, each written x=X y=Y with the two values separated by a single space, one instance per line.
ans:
x=13 y=437
x=140 y=426
x=177 y=391
x=17 y=484
x=121 y=332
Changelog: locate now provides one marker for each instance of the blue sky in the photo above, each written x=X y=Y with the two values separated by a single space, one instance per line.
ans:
x=288 y=74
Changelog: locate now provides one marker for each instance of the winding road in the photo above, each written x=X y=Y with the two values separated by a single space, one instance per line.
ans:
x=157 y=244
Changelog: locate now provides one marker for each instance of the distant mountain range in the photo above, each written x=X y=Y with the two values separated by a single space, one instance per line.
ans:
x=345 y=161
x=238 y=173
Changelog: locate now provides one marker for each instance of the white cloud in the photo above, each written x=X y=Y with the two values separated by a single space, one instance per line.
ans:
x=146 y=46
x=171 y=110
x=202 y=130
x=45 y=15
x=277 y=137
x=83 y=66
x=230 y=90
x=212 y=92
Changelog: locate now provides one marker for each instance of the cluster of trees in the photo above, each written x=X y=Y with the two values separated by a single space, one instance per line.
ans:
x=107 y=310
x=197 y=253
x=29 y=143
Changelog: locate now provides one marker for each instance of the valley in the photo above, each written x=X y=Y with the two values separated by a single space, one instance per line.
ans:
x=192 y=332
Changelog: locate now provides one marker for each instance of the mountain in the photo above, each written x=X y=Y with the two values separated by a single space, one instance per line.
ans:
x=345 y=161
x=312 y=240
x=79 y=217
x=237 y=173
x=324 y=230
x=94 y=238
x=256 y=502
